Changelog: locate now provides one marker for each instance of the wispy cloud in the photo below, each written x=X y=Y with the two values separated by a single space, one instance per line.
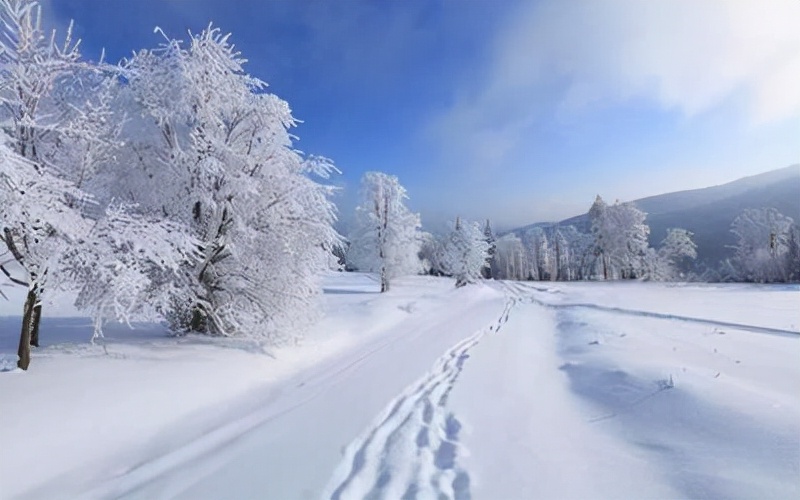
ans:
x=560 y=57
x=627 y=98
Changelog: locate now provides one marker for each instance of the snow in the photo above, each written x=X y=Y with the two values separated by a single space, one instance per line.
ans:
x=667 y=408
x=496 y=390
x=761 y=306
x=534 y=434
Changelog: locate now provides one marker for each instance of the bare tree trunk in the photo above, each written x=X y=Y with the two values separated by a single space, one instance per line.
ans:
x=198 y=323
x=558 y=274
x=24 y=351
x=384 y=281
x=35 y=319
x=382 y=242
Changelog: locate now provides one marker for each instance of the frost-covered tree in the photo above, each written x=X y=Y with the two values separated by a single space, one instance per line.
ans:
x=56 y=120
x=427 y=253
x=764 y=245
x=166 y=187
x=119 y=269
x=37 y=225
x=127 y=267
x=602 y=232
x=464 y=252
x=490 y=240
x=41 y=210
x=555 y=253
x=676 y=249
x=620 y=239
x=573 y=253
x=793 y=253
x=430 y=254
x=510 y=258
x=632 y=240
x=387 y=236
x=678 y=245
x=210 y=149
x=540 y=254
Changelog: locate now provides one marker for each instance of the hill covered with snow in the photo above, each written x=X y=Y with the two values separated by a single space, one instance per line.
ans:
x=708 y=212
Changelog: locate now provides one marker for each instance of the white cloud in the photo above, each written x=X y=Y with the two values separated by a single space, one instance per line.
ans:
x=689 y=55
x=731 y=68
x=683 y=53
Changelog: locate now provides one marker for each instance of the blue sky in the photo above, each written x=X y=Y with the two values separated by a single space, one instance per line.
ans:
x=519 y=111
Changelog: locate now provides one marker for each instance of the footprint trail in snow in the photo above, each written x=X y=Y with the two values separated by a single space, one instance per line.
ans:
x=411 y=451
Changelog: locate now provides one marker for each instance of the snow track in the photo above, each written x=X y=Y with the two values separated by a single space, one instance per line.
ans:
x=518 y=288
x=594 y=390
x=412 y=449
x=131 y=480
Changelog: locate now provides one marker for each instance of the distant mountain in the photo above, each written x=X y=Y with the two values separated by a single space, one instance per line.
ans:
x=708 y=212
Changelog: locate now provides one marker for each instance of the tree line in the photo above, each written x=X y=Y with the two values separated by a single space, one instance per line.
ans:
x=388 y=239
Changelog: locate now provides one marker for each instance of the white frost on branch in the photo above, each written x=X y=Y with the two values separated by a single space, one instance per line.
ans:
x=387 y=237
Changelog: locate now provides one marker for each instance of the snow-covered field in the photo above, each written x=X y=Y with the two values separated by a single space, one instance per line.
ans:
x=499 y=390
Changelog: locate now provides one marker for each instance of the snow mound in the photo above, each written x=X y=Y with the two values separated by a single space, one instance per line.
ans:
x=8 y=363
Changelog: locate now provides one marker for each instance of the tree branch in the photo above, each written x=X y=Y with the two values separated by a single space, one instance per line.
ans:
x=13 y=279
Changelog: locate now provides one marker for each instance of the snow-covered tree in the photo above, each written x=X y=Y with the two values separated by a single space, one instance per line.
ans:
x=430 y=254
x=678 y=245
x=464 y=252
x=490 y=239
x=41 y=210
x=573 y=253
x=540 y=254
x=793 y=253
x=602 y=232
x=676 y=249
x=764 y=245
x=427 y=253
x=510 y=258
x=387 y=236
x=207 y=148
x=168 y=186
x=620 y=239
x=127 y=267
x=56 y=123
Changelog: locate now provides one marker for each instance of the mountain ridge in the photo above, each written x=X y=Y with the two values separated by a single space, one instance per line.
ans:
x=708 y=212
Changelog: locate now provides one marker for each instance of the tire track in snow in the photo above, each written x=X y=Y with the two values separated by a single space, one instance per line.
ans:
x=518 y=287
x=411 y=451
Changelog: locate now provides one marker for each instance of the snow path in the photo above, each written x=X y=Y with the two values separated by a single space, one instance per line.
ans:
x=772 y=307
x=527 y=434
x=411 y=451
x=521 y=287
x=302 y=426
x=577 y=401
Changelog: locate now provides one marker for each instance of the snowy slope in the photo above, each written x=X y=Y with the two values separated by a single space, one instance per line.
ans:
x=501 y=390
x=709 y=212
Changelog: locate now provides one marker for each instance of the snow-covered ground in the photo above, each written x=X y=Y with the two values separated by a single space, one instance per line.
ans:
x=498 y=390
